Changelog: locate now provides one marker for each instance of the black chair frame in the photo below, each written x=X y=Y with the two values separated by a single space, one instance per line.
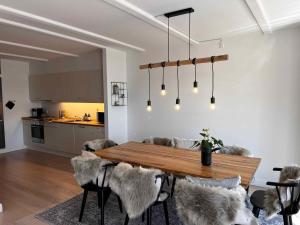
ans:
x=103 y=194
x=163 y=178
x=293 y=207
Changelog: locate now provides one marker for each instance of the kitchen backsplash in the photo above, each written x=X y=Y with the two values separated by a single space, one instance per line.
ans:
x=73 y=109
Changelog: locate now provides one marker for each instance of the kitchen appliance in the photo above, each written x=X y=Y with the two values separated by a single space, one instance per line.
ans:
x=100 y=117
x=37 y=112
x=37 y=132
x=2 y=135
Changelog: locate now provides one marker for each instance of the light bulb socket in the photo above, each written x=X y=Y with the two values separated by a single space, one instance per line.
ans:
x=177 y=101
x=149 y=103
x=163 y=87
x=212 y=100
x=195 y=84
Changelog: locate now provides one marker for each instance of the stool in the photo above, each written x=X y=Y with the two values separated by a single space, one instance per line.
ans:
x=257 y=200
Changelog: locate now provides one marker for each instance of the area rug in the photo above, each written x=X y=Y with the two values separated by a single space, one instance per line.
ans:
x=67 y=213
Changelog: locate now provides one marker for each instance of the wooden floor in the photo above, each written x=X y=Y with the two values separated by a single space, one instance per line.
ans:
x=31 y=181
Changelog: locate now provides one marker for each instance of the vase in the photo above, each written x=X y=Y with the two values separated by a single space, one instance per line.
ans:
x=206 y=156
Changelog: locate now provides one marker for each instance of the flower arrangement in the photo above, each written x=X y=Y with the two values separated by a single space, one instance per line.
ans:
x=208 y=142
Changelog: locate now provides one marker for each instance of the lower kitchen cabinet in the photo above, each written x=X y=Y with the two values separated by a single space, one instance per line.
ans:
x=86 y=133
x=65 y=138
x=59 y=137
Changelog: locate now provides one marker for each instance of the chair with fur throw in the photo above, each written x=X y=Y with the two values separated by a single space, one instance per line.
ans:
x=284 y=199
x=139 y=189
x=206 y=205
x=158 y=141
x=234 y=150
x=92 y=173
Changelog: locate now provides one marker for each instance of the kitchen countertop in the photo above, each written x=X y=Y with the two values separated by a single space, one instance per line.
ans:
x=65 y=121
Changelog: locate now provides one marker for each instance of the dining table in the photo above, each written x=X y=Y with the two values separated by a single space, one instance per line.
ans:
x=183 y=162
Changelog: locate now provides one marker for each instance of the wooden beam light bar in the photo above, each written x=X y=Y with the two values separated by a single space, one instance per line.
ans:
x=186 y=62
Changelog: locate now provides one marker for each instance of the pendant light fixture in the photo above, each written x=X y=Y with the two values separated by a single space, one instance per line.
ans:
x=195 y=85
x=163 y=91
x=149 y=106
x=212 y=99
x=177 y=103
x=183 y=62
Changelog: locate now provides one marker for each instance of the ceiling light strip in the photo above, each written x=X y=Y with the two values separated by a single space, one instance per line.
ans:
x=66 y=26
x=147 y=17
x=44 y=31
x=37 y=48
x=23 y=56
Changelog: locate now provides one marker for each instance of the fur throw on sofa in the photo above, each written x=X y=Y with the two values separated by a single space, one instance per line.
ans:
x=135 y=186
x=206 y=205
x=98 y=144
x=234 y=150
x=159 y=141
x=89 y=168
x=271 y=201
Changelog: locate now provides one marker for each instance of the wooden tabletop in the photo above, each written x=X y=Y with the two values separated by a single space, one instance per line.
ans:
x=182 y=162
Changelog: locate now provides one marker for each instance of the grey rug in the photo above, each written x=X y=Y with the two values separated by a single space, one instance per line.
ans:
x=67 y=213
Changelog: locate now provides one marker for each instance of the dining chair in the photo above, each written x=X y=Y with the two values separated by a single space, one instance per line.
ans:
x=206 y=205
x=92 y=173
x=283 y=200
x=140 y=190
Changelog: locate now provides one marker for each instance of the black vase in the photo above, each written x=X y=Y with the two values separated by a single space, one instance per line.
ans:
x=206 y=156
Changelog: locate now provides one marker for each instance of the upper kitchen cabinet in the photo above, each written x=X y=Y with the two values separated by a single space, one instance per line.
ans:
x=79 y=86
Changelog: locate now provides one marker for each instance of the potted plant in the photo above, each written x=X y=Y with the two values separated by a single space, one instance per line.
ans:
x=207 y=145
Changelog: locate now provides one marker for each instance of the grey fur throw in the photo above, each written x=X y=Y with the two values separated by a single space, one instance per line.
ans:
x=98 y=144
x=159 y=141
x=135 y=186
x=231 y=182
x=271 y=202
x=234 y=150
x=89 y=168
x=206 y=205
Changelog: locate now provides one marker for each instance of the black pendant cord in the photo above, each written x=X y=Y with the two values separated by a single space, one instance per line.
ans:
x=149 y=81
x=177 y=79
x=189 y=36
x=168 y=39
x=213 y=76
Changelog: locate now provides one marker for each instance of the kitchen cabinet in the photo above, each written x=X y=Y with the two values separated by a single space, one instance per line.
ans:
x=86 y=133
x=59 y=137
x=79 y=86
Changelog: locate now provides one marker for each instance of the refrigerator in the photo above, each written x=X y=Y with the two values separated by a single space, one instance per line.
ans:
x=2 y=135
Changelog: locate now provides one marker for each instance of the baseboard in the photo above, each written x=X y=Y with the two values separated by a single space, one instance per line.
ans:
x=6 y=150
x=64 y=154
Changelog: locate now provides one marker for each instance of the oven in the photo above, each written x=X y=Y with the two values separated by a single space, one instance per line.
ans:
x=37 y=132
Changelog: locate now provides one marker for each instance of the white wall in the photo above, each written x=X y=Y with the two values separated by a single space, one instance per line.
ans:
x=15 y=88
x=114 y=70
x=256 y=94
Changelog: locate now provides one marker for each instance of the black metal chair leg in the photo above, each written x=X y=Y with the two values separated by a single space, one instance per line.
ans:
x=120 y=204
x=102 y=207
x=99 y=198
x=166 y=212
x=285 y=220
x=168 y=181
x=126 y=220
x=149 y=215
x=256 y=211
x=143 y=217
x=173 y=186
x=290 y=220
x=85 y=194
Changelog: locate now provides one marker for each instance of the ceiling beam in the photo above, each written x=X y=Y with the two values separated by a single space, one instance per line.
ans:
x=257 y=9
x=66 y=27
x=23 y=56
x=148 y=18
x=37 y=48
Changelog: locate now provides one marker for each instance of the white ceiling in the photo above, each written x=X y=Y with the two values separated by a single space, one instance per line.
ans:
x=93 y=19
